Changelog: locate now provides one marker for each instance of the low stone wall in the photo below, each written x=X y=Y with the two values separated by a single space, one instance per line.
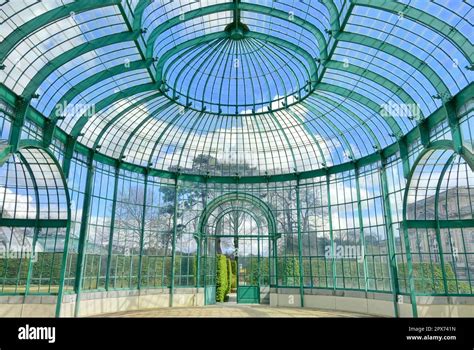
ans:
x=30 y=306
x=377 y=304
x=99 y=302
x=96 y=303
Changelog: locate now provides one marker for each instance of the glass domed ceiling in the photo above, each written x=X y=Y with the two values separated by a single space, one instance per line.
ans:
x=241 y=75
x=226 y=88
x=237 y=70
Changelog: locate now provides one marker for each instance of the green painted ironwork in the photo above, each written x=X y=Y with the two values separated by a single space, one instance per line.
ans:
x=142 y=232
x=42 y=223
x=331 y=236
x=438 y=234
x=229 y=7
x=438 y=223
x=443 y=144
x=83 y=233
x=453 y=122
x=399 y=53
x=22 y=106
x=300 y=245
x=390 y=237
x=51 y=16
x=112 y=228
x=402 y=141
x=428 y=20
x=361 y=228
x=237 y=196
x=36 y=228
x=215 y=36
x=248 y=294
x=71 y=54
x=363 y=100
x=173 y=244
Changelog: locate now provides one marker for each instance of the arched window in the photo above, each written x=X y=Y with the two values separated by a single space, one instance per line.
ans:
x=439 y=225
x=34 y=217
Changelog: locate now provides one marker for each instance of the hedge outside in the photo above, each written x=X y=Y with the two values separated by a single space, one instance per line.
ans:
x=229 y=276
x=221 y=278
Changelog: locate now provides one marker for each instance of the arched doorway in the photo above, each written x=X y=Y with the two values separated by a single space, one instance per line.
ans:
x=438 y=214
x=35 y=221
x=241 y=228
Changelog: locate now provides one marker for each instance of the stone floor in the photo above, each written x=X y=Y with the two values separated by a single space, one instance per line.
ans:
x=233 y=310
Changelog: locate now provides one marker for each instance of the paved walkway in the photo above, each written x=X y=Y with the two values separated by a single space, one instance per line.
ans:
x=234 y=310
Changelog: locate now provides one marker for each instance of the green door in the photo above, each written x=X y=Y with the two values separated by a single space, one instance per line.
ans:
x=210 y=295
x=209 y=262
x=248 y=295
x=248 y=279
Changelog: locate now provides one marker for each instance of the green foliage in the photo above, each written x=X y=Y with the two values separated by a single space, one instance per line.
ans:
x=234 y=274
x=428 y=278
x=290 y=271
x=221 y=278
x=258 y=274
x=46 y=269
x=229 y=276
x=155 y=271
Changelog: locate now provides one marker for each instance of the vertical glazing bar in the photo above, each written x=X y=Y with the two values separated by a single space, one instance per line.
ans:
x=68 y=154
x=84 y=231
x=62 y=276
x=112 y=228
x=361 y=229
x=142 y=233
x=198 y=261
x=36 y=228
x=21 y=108
x=258 y=264
x=390 y=236
x=173 y=246
x=275 y=262
x=438 y=234
x=300 y=242
x=410 y=273
x=453 y=121
x=333 y=252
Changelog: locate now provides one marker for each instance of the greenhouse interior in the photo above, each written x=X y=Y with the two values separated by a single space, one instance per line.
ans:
x=287 y=154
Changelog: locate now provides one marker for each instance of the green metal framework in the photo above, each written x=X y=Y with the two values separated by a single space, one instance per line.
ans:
x=325 y=116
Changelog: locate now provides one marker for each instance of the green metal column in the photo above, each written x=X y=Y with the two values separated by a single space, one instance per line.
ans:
x=112 y=227
x=173 y=246
x=390 y=236
x=361 y=228
x=403 y=148
x=62 y=276
x=453 y=121
x=68 y=154
x=21 y=108
x=331 y=237
x=410 y=272
x=424 y=130
x=275 y=261
x=36 y=227
x=300 y=242
x=198 y=261
x=48 y=132
x=83 y=233
x=438 y=229
x=142 y=232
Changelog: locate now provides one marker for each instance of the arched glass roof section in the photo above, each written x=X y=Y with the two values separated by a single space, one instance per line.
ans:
x=259 y=87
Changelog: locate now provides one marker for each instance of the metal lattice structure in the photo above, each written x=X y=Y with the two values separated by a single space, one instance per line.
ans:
x=322 y=124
